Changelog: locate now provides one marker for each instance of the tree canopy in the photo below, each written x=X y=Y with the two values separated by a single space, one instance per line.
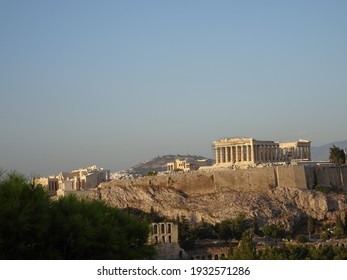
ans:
x=32 y=226
x=337 y=155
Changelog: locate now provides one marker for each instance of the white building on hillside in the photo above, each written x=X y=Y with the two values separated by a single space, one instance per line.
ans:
x=82 y=179
x=179 y=165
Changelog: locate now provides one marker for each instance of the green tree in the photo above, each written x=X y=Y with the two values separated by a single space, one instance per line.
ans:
x=233 y=228
x=339 y=227
x=246 y=249
x=272 y=230
x=83 y=229
x=2 y=172
x=24 y=218
x=301 y=238
x=34 y=227
x=337 y=155
x=310 y=226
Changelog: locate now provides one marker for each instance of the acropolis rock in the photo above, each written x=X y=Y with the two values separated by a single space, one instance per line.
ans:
x=281 y=195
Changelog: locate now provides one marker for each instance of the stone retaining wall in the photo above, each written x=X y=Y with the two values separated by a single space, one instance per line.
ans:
x=253 y=179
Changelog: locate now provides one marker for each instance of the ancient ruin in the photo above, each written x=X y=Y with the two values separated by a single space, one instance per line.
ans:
x=179 y=165
x=242 y=150
x=83 y=179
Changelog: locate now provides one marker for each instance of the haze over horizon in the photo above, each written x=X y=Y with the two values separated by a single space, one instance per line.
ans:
x=114 y=83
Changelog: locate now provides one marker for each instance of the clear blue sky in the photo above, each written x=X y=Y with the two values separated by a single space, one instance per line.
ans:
x=117 y=82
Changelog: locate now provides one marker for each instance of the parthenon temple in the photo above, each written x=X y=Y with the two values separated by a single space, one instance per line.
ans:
x=242 y=150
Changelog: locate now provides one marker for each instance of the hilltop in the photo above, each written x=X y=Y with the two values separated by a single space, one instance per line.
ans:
x=281 y=195
x=159 y=163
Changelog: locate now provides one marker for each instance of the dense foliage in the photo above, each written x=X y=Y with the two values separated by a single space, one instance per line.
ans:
x=32 y=226
x=246 y=251
x=337 y=155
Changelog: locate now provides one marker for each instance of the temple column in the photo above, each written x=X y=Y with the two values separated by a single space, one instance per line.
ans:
x=271 y=153
x=301 y=152
x=309 y=152
x=304 y=153
x=277 y=153
x=261 y=153
x=231 y=154
x=217 y=155
x=226 y=154
x=243 y=147
x=252 y=153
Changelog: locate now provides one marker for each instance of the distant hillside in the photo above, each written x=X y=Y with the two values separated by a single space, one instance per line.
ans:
x=322 y=152
x=159 y=163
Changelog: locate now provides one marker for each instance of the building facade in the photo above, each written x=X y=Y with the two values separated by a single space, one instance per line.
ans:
x=179 y=165
x=164 y=236
x=77 y=180
x=242 y=150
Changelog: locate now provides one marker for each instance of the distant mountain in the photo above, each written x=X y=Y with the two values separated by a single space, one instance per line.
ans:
x=159 y=163
x=322 y=152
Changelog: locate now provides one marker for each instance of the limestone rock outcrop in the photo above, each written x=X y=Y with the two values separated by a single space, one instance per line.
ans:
x=283 y=205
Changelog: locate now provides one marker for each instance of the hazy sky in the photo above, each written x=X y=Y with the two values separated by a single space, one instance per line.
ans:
x=114 y=83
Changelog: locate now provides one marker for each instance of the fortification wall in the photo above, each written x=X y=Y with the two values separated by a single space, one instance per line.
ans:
x=285 y=176
x=291 y=176
x=328 y=176
x=252 y=179
x=196 y=182
x=344 y=178
x=262 y=179
x=311 y=178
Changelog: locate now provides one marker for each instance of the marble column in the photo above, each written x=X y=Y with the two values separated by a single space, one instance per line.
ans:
x=217 y=155
x=252 y=153
x=232 y=157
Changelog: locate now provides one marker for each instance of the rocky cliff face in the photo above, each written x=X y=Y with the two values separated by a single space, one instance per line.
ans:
x=280 y=204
